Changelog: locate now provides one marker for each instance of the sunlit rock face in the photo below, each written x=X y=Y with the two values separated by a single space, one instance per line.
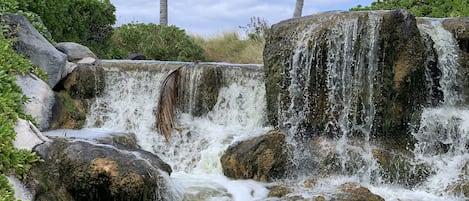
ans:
x=359 y=74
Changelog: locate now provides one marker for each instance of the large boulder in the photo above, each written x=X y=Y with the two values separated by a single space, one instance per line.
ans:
x=355 y=73
x=41 y=97
x=79 y=170
x=262 y=158
x=37 y=48
x=75 y=51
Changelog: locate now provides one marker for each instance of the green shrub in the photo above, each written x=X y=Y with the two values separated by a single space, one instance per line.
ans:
x=422 y=8
x=88 y=22
x=156 y=42
x=12 y=160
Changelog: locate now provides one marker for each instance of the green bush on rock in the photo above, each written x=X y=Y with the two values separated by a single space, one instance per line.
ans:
x=156 y=42
x=12 y=160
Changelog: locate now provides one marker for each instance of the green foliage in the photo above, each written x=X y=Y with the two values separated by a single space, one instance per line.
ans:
x=6 y=191
x=156 y=42
x=12 y=160
x=88 y=22
x=423 y=8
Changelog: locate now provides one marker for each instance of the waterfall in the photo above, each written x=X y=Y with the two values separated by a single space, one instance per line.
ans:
x=347 y=57
x=217 y=105
x=443 y=136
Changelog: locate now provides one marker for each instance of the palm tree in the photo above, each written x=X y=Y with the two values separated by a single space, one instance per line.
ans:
x=298 y=8
x=164 y=12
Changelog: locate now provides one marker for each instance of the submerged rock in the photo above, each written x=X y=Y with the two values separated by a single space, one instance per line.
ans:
x=262 y=158
x=79 y=170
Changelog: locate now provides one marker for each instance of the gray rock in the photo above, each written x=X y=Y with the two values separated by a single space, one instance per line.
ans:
x=136 y=56
x=41 y=98
x=27 y=135
x=86 y=61
x=37 y=48
x=75 y=51
x=69 y=67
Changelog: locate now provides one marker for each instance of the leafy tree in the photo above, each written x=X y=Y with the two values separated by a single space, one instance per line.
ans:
x=423 y=8
x=88 y=22
x=156 y=42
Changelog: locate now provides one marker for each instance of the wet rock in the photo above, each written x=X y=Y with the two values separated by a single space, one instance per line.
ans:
x=69 y=112
x=126 y=141
x=41 y=98
x=37 y=48
x=279 y=191
x=306 y=57
x=76 y=93
x=461 y=186
x=397 y=168
x=201 y=99
x=355 y=192
x=84 y=171
x=85 y=82
x=75 y=51
x=459 y=27
x=261 y=158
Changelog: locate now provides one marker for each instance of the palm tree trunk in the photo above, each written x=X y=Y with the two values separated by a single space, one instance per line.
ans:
x=164 y=12
x=298 y=8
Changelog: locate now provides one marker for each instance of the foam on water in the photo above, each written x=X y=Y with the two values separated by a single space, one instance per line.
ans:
x=197 y=143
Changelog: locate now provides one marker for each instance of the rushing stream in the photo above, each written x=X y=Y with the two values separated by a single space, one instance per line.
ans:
x=131 y=95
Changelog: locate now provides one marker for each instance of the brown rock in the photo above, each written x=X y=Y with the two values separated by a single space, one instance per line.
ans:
x=261 y=158
x=355 y=192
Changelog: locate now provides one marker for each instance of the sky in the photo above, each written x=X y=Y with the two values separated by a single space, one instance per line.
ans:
x=212 y=17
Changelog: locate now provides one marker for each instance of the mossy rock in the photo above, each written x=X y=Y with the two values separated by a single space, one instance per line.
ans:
x=85 y=82
x=399 y=91
x=84 y=171
x=68 y=112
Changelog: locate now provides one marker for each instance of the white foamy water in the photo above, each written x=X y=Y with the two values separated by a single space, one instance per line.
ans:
x=197 y=143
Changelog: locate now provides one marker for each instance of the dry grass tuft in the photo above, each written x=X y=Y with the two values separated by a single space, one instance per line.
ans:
x=230 y=47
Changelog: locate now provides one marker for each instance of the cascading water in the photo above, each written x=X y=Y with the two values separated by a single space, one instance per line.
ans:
x=340 y=149
x=197 y=142
x=350 y=70
x=443 y=137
